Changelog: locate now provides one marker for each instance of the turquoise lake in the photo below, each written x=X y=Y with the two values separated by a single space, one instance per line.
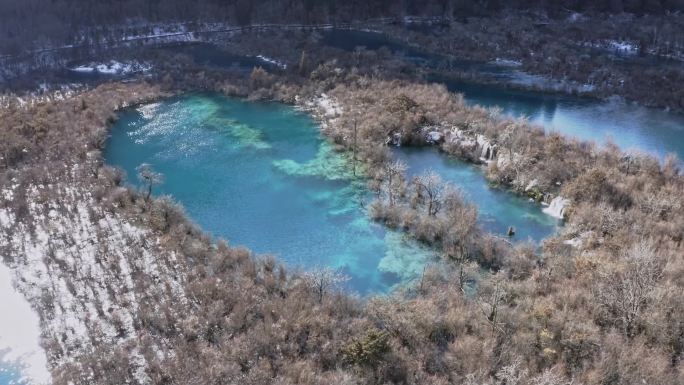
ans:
x=260 y=175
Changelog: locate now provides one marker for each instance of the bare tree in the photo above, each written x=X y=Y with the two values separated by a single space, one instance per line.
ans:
x=94 y=162
x=513 y=374
x=430 y=189
x=355 y=144
x=466 y=270
x=393 y=179
x=513 y=139
x=490 y=298
x=322 y=280
x=359 y=52
x=511 y=136
x=548 y=377
x=149 y=177
x=303 y=64
x=624 y=291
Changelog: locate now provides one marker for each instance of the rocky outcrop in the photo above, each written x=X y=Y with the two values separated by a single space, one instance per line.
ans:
x=579 y=240
x=434 y=137
x=460 y=138
x=478 y=144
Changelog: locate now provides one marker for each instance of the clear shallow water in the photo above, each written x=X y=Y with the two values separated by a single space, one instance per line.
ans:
x=10 y=374
x=630 y=127
x=259 y=175
x=498 y=209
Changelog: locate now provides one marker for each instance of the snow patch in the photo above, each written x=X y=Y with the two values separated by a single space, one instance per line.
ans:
x=79 y=265
x=620 y=47
x=507 y=62
x=20 y=332
x=434 y=137
x=330 y=107
x=534 y=183
x=113 y=67
x=578 y=241
x=83 y=69
x=624 y=47
x=275 y=62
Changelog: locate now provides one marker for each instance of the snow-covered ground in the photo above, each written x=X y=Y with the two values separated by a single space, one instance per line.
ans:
x=44 y=93
x=624 y=47
x=81 y=266
x=619 y=47
x=20 y=331
x=507 y=62
x=269 y=60
x=113 y=67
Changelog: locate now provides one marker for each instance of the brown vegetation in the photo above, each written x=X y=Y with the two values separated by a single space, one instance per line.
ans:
x=607 y=312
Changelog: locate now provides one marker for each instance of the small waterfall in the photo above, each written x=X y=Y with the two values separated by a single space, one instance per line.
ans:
x=487 y=150
x=557 y=207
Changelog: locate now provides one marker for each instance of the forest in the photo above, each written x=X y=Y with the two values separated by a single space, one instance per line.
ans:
x=32 y=24
x=131 y=291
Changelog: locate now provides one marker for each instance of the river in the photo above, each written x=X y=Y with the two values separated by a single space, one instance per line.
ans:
x=631 y=127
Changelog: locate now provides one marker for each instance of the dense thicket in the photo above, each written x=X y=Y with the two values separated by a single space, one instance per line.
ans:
x=36 y=22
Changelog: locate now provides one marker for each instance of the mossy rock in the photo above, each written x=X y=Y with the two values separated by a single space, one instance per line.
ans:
x=535 y=194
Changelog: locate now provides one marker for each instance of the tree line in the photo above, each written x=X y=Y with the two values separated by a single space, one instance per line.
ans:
x=39 y=23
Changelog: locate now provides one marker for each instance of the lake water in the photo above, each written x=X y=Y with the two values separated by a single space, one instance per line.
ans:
x=631 y=127
x=498 y=209
x=260 y=175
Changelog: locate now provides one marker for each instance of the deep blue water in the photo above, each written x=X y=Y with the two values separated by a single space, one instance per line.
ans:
x=260 y=175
